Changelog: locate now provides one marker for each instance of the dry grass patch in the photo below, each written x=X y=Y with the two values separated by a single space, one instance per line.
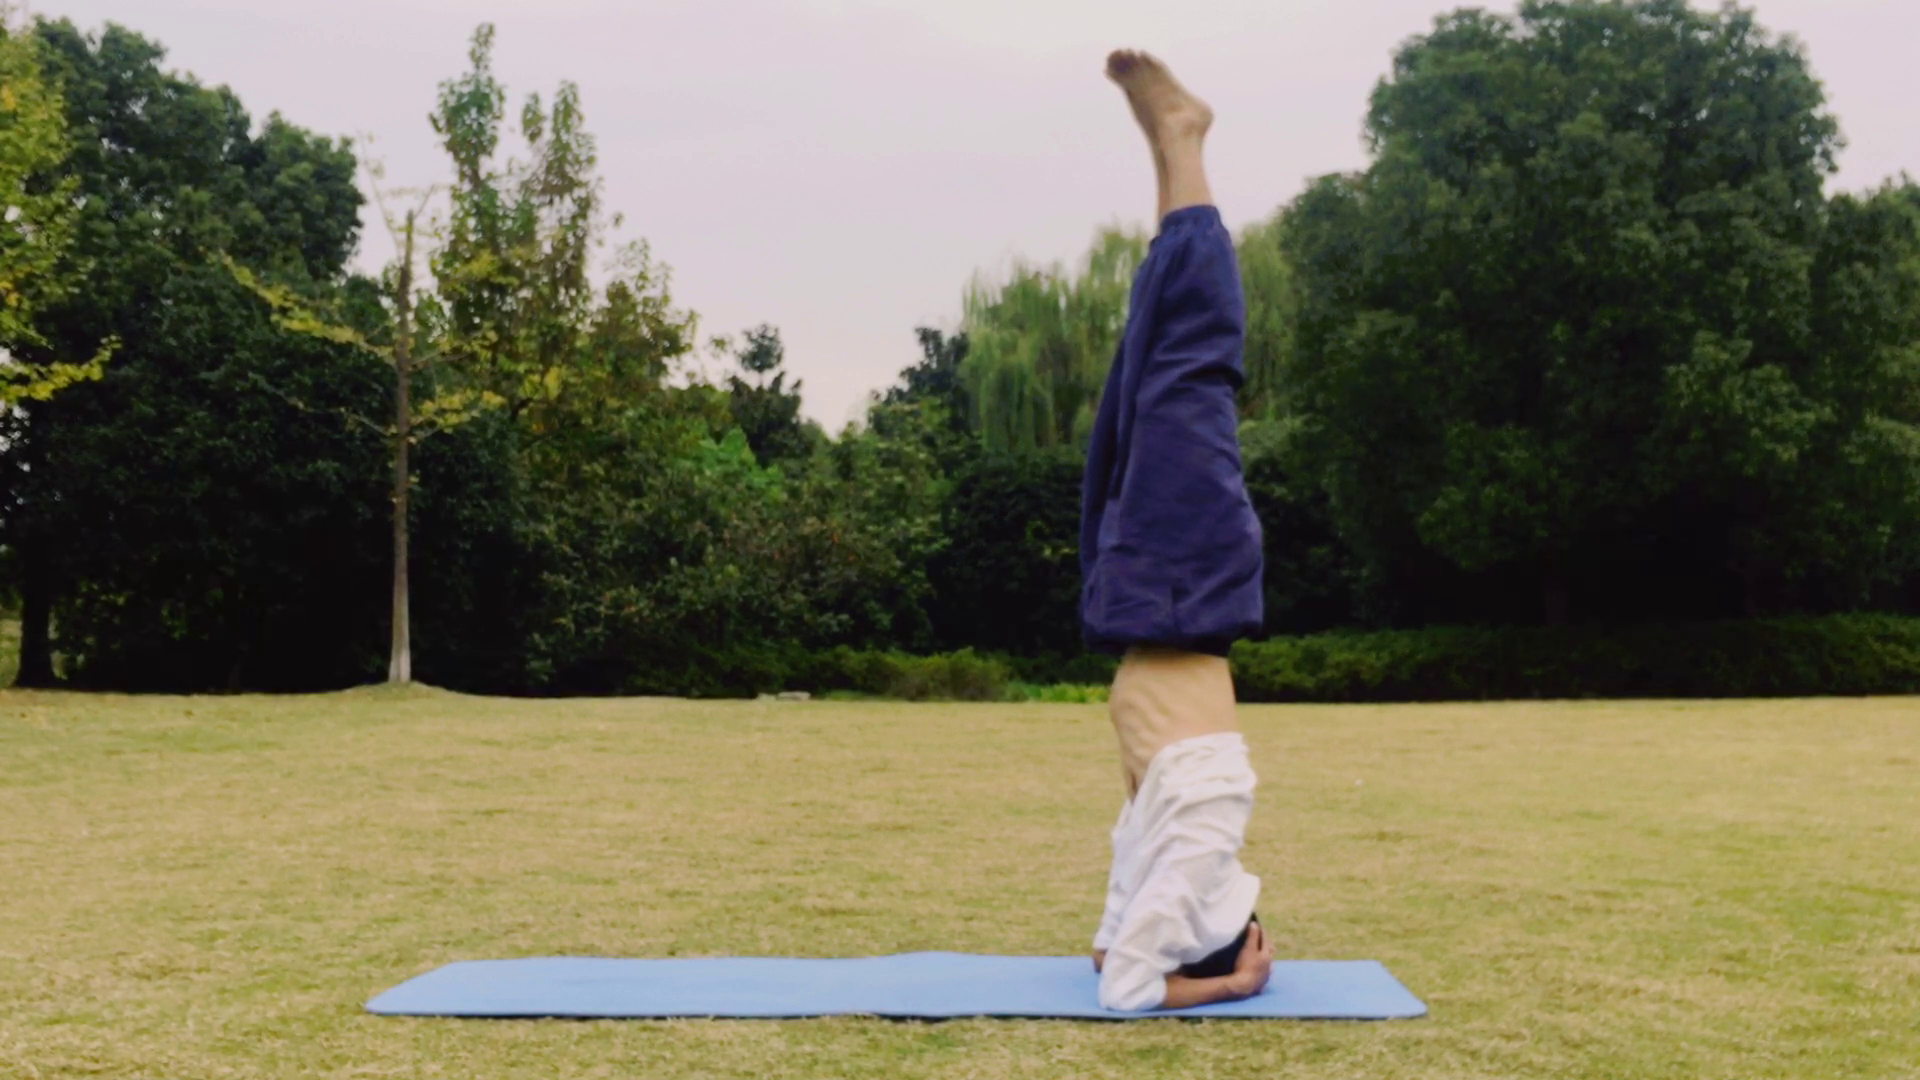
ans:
x=211 y=887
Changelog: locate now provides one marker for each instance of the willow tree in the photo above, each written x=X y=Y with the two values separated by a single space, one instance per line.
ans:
x=1266 y=276
x=1039 y=344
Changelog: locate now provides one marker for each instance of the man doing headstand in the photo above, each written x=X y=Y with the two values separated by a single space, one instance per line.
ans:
x=1170 y=554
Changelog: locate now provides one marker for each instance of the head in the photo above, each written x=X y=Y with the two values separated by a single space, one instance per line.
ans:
x=1223 y=960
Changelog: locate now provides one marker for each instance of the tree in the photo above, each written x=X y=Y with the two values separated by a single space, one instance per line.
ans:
x=626 y=491
x=1587 y=238
x=394 y=340
x=213 y=534
x=1040 y=343
x=524 y=321
x=1008 y=575
x=1309 y=574
x=884 y=489
x=767 y=409
x=38 y=213
x=1267 y=278
x=936 y=378
x=930 y=404
x=137 y=500
x=1813 y=462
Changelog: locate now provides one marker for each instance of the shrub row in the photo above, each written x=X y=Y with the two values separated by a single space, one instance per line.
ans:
x=746 y=672
x=1844 y=655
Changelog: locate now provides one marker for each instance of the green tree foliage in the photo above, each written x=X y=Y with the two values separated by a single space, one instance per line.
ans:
x=654 y=531
x=1039 y=344
x=1310 y=576
x=1796 y=656
x=609 y=471
x=1587 y=338
x=765 y=407
x=1008 y=578
x=1266 y=275
x=524 y=321
x=708 y=553
x=936 y=379
x=929 y=403
x=212 y=535
x=395 y=341
x=1813 y=461
x=169 y=514
x=879 y=495
x=1576 y=322
x=37 y=217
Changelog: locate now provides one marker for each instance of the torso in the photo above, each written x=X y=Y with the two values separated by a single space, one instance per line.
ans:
x=1161 y=696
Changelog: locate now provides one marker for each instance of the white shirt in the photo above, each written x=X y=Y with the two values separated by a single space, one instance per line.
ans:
x=1177 y=893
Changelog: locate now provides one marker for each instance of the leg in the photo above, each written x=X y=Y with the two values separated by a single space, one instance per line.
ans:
x=1175 y=123
x=1174 y=380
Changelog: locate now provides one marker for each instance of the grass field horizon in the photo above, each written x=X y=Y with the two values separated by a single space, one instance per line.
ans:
x=213 y=886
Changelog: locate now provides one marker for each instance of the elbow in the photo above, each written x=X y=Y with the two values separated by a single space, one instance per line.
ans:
x=1124 y=987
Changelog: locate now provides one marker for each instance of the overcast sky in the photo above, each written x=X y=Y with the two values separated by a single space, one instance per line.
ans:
x=839 y=168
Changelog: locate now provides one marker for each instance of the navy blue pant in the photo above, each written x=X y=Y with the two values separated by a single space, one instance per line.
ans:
x=1170 y=549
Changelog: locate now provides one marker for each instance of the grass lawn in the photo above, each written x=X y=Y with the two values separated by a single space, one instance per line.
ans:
x=199 y=888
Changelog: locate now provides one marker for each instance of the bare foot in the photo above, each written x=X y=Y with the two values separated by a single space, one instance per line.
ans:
x=1164 y=108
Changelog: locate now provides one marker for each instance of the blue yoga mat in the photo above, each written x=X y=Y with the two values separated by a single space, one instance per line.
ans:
x=923 y=985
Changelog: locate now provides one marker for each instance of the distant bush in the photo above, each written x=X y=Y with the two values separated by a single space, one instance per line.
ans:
x=1845 y=655
x=959 y=676
x=1079 y=669
x=749 y=671
x=1057 y=693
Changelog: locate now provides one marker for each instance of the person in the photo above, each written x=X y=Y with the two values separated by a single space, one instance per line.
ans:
x=1171 y=560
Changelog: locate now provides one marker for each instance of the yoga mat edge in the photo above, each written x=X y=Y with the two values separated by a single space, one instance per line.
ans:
x=926 y=985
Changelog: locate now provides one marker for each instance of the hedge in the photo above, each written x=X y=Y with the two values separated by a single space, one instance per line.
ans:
x=746 y=672
x=1845 y=655
x=957 y=676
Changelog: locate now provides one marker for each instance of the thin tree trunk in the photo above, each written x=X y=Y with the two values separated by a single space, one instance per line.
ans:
x=36 y=587
x=400 y=661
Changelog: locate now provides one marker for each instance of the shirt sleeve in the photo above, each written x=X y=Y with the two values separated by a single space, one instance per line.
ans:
x=1130 y=983
x=1156 y=929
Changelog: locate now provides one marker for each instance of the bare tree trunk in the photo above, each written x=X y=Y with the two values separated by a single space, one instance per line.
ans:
x=400 y=662
x=36 y=586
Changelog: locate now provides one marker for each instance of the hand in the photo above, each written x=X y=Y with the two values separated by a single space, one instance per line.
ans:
x=1099 y=959
x=1255 y=964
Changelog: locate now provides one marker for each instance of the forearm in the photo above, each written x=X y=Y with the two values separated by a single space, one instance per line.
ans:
x=1185 y=993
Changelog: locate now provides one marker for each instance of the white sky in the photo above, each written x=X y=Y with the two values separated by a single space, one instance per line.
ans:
x=839 y=168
